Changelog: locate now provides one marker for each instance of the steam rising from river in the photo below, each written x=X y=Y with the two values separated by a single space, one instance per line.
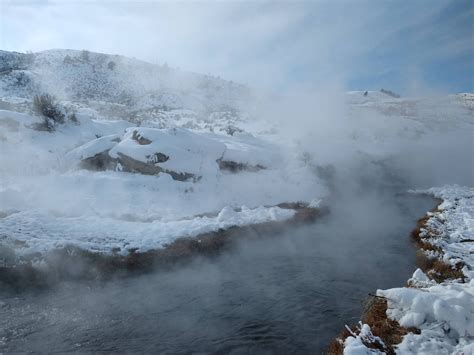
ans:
x=364 y=156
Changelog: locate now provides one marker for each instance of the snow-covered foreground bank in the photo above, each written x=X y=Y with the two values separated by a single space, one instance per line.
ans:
x=442 y=312
x=40 y=232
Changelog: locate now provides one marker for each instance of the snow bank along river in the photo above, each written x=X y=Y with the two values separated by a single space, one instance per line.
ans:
x=437 y=304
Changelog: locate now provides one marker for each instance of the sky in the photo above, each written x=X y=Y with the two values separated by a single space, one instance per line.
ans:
x=406 y=46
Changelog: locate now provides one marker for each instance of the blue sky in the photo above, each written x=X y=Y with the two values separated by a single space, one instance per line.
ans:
x=408 y=46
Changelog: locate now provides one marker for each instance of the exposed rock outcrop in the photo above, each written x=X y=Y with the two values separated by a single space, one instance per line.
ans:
x=235 y=167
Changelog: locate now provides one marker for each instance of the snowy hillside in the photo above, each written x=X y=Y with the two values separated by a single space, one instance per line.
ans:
x=117 y=83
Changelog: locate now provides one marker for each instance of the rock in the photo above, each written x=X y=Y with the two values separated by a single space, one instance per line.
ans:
x=235 y=167
x=179 y=152
x=140 y=139
x=99 y=162
x=135 y=166
x=94 y=155
x=159 y=157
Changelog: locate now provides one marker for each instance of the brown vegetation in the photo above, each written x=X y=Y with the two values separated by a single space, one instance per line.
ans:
x=439 y=270
x=375 y=315
x=387 y=329
x=46 y=106
x=434 y=267
x=336 y=346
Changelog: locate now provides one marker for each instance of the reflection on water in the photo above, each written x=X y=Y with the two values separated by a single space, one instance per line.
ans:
x=291 y=292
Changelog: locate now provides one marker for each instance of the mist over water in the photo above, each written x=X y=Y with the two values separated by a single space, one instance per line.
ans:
x=292 y=291
x=289 y=292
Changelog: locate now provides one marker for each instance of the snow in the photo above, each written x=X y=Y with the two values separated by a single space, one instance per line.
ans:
x=420 y=279
x=357 y=343
x=454 y=224
x=444 y=312
x=188 y=152
x=77 y=74
x=247 y=149
x=94 y=147
x=43 y=232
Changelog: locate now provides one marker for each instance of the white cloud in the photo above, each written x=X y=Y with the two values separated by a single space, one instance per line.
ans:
x=261 y=43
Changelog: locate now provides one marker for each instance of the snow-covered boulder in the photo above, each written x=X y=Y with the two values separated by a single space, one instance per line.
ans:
x=94 y=154
x=176 y=151
x=245 y=152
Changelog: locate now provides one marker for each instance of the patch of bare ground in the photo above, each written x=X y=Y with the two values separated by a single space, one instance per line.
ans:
x=74 y=263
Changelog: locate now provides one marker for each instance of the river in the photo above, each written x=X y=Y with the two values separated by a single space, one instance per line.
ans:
x=288 y=293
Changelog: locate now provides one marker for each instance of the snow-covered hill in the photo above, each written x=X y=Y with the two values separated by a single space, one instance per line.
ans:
x=130 y=84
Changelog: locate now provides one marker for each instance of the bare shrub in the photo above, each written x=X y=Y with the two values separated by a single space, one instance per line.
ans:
x=46 y=106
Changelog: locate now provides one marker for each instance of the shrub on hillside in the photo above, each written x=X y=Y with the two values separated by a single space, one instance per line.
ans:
x=46 y=106
x=390 y=93
x=85 y=56
x=111 y=65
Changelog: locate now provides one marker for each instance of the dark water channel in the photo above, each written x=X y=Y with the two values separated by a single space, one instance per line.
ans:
x=285 y=293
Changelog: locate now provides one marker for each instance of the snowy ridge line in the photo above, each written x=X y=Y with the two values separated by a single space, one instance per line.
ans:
x=434 y=313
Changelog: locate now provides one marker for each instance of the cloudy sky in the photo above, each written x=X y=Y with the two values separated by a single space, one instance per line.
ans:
x=407 y=46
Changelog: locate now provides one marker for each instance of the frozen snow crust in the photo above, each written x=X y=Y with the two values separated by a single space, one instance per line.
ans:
x=443 y=312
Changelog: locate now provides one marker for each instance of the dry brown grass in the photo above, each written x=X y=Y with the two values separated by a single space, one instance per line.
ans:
x=387 y=329
x=441 y=271
x=435 y=268
x=375 y=315
x=336 y=346
x=423 y=243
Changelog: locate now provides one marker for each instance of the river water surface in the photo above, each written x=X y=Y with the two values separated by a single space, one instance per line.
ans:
x=286 y=293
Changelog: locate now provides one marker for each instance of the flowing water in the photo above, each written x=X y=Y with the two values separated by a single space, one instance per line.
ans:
x=285 y=293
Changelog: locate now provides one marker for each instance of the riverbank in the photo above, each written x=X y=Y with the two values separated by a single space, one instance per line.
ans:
x=433 y=313
x=74 y=263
